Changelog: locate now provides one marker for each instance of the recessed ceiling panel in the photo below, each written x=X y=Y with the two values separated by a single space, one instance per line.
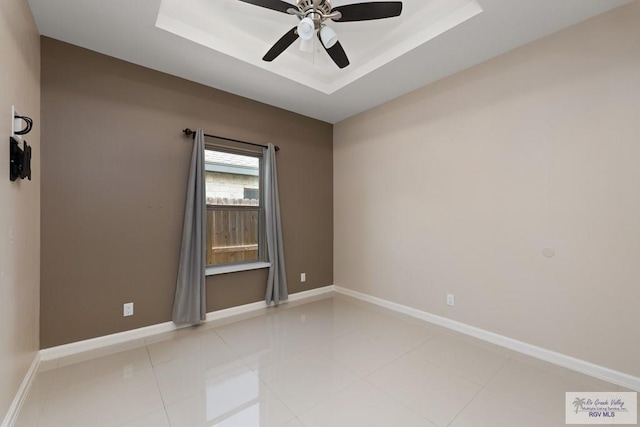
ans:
x=246 y=32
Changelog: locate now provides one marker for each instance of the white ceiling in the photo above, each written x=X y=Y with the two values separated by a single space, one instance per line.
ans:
x=431 y=40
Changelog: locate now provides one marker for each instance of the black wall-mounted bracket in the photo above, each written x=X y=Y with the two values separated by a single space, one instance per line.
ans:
x=19 y=160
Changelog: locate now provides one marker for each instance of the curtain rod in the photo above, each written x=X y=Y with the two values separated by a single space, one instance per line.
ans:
x=191 y=133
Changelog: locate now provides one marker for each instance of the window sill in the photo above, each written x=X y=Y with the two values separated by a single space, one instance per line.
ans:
x=223 y=269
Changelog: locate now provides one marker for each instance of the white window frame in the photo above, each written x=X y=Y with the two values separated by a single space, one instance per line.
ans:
x=212 y=270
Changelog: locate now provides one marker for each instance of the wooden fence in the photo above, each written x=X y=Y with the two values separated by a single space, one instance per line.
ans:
x=232 y=233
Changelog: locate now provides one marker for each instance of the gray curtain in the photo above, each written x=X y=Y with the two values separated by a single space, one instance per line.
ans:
x=277 y=280
x=189 y=306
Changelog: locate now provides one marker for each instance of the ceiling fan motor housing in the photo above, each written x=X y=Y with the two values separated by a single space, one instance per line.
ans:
x=306 y=6
x=317 y=14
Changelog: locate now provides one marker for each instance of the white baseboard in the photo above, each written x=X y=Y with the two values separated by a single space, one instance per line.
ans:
x=582 y=366
x=603 y=373
x=21 y=395
x=126 y=336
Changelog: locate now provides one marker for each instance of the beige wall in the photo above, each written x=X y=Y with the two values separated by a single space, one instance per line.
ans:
x=114 y=170
x=19 y=201
x=458 y=187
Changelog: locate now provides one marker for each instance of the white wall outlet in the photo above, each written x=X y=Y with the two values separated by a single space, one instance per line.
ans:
x=127 y=371
x=548 y=252
x=128 y=309
x=303 y=277
x=451 y=300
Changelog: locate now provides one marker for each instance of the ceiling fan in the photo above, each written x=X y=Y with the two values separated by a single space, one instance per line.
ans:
x=313 y=14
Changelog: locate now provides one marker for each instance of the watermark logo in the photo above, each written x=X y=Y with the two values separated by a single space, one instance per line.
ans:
x=601 y=408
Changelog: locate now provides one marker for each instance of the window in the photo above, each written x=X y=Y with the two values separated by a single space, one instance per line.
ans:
x=251 y=193
x=234 y=208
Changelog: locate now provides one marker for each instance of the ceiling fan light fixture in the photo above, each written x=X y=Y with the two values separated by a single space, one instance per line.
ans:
x=313 y=14
x=306 y=28
x=328 y=36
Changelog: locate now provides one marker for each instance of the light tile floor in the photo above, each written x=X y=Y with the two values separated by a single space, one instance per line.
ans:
x=329 y=362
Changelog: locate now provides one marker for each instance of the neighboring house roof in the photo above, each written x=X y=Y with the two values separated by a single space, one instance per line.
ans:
x=222 y=158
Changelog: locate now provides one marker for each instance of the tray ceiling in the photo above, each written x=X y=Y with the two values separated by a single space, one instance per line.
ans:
x=247 y=32
x=220 y=43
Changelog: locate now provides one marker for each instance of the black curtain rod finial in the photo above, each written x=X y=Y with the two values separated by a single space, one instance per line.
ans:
x=189 y=132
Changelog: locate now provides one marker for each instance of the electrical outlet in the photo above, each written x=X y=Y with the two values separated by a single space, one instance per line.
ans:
x=451 y=300
x=127 y=371
x=128 y=309
x=303 y=277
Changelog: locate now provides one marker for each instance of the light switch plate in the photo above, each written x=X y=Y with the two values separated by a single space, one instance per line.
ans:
x=451 y=300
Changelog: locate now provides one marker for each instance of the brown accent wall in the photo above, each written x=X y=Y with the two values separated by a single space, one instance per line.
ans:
x=114 y=170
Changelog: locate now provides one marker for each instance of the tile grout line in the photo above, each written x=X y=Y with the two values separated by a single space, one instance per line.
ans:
x=198 y=335
x=187 y=355
x=465 y=406
x=322 y=400
x=365 y=378
x=164 y=407
x=568 y=362
x=495 y=374
x=399 y=402
x=258 y=377
x=155 y=377
x=509 y=398
x=400 y=356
